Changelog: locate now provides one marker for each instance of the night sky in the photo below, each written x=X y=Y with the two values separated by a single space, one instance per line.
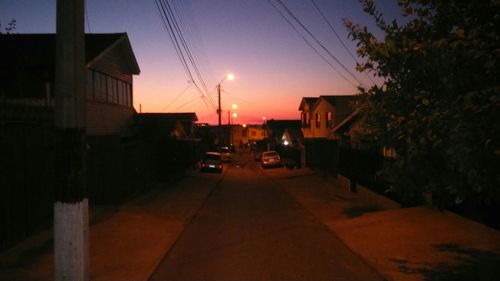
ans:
x=273 y=66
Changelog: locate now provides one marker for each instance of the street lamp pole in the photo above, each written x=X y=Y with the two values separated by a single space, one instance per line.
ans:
x=219 y=109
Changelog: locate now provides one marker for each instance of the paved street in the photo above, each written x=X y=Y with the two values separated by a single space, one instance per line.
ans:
x=249 y=228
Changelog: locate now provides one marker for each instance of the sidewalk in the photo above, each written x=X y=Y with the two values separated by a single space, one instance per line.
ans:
x=127 y=242
x=409 y=244
x=413 y=244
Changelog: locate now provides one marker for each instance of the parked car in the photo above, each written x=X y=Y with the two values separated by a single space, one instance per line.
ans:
x=225 y=153
x=212 y=161
x=270 y=159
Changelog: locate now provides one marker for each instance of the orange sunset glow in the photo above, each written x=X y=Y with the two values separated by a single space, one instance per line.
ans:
x=272 y=65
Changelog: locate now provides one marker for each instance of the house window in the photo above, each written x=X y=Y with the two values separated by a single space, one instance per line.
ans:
x=263 y=133
x=119 y=92
x=308 y=120
x=100 y=86
x=329 y=119
x=128 y=93
x=112 y=93
x=90 y=85
x=318 y=120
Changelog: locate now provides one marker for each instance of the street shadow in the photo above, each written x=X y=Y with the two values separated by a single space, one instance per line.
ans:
x=469 y=264
x=358 y=211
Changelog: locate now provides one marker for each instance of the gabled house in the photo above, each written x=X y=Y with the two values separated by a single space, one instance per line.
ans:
x=320 y=115
x=305 y=108
x=28 y=68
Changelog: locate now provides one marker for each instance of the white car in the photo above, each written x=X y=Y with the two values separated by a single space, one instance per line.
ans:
x=270 y=159
x=225 y=153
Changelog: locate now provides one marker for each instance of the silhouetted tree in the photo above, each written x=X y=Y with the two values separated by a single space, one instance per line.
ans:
x=11 y=26
x=439 y=103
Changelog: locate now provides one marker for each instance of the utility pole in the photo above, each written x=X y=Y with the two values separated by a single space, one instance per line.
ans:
x=71 y=223
x=219 y=112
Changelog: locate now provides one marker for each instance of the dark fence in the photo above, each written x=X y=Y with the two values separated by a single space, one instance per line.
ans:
x=290 y=155
x=322 y=154
x=117 y=169
x=361 y=166
x=26 y=179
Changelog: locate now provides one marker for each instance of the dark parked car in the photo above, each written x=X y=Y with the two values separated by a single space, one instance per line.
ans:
x=211 y=162
x=270 y=159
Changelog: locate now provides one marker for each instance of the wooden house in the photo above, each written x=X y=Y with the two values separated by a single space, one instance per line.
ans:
x=28 y=68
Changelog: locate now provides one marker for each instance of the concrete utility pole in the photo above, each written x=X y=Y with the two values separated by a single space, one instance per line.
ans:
x=219 y=112
x=71 y=225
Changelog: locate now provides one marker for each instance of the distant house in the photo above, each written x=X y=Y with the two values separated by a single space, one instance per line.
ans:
x=320 y=115
x=285 y=130
x=248 y=134
x=27 y=72
x=180 y=126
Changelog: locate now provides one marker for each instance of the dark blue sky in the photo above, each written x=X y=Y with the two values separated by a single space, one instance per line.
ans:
x=274 y=67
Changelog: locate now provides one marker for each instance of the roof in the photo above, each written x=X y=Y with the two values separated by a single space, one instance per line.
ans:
x=283 y=124
x=341 y=101
x=346 y=122
x=176 y=116
x=40 y=49
x=165 y=123
x=310 y=101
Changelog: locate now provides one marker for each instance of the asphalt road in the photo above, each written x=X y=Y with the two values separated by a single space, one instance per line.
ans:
x=250 y=228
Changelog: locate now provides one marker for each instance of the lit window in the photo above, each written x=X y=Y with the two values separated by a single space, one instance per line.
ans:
x=329 y=119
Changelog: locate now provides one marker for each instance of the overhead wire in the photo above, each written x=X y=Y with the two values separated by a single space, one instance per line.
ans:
x=185 y=45
x=175 y=43
x=292 y=15
x=338 y=37
x=181 y=47
x=87 y=17
x=177 y=97
x=180 y=13
x=186 y=103
x=311 y=45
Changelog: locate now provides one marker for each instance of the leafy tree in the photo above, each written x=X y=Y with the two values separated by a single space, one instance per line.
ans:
x=439 y=103
x=11 y=26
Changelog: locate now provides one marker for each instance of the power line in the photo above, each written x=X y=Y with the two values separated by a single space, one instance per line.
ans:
x=181 y=46
x=178 y=96
x=87 y=17
x=310 y=45
x=186 y=103
x=338 y=37
x=289 y=12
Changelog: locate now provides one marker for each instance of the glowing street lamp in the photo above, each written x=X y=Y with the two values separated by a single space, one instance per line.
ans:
x=219 y=109
x=229 y=77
